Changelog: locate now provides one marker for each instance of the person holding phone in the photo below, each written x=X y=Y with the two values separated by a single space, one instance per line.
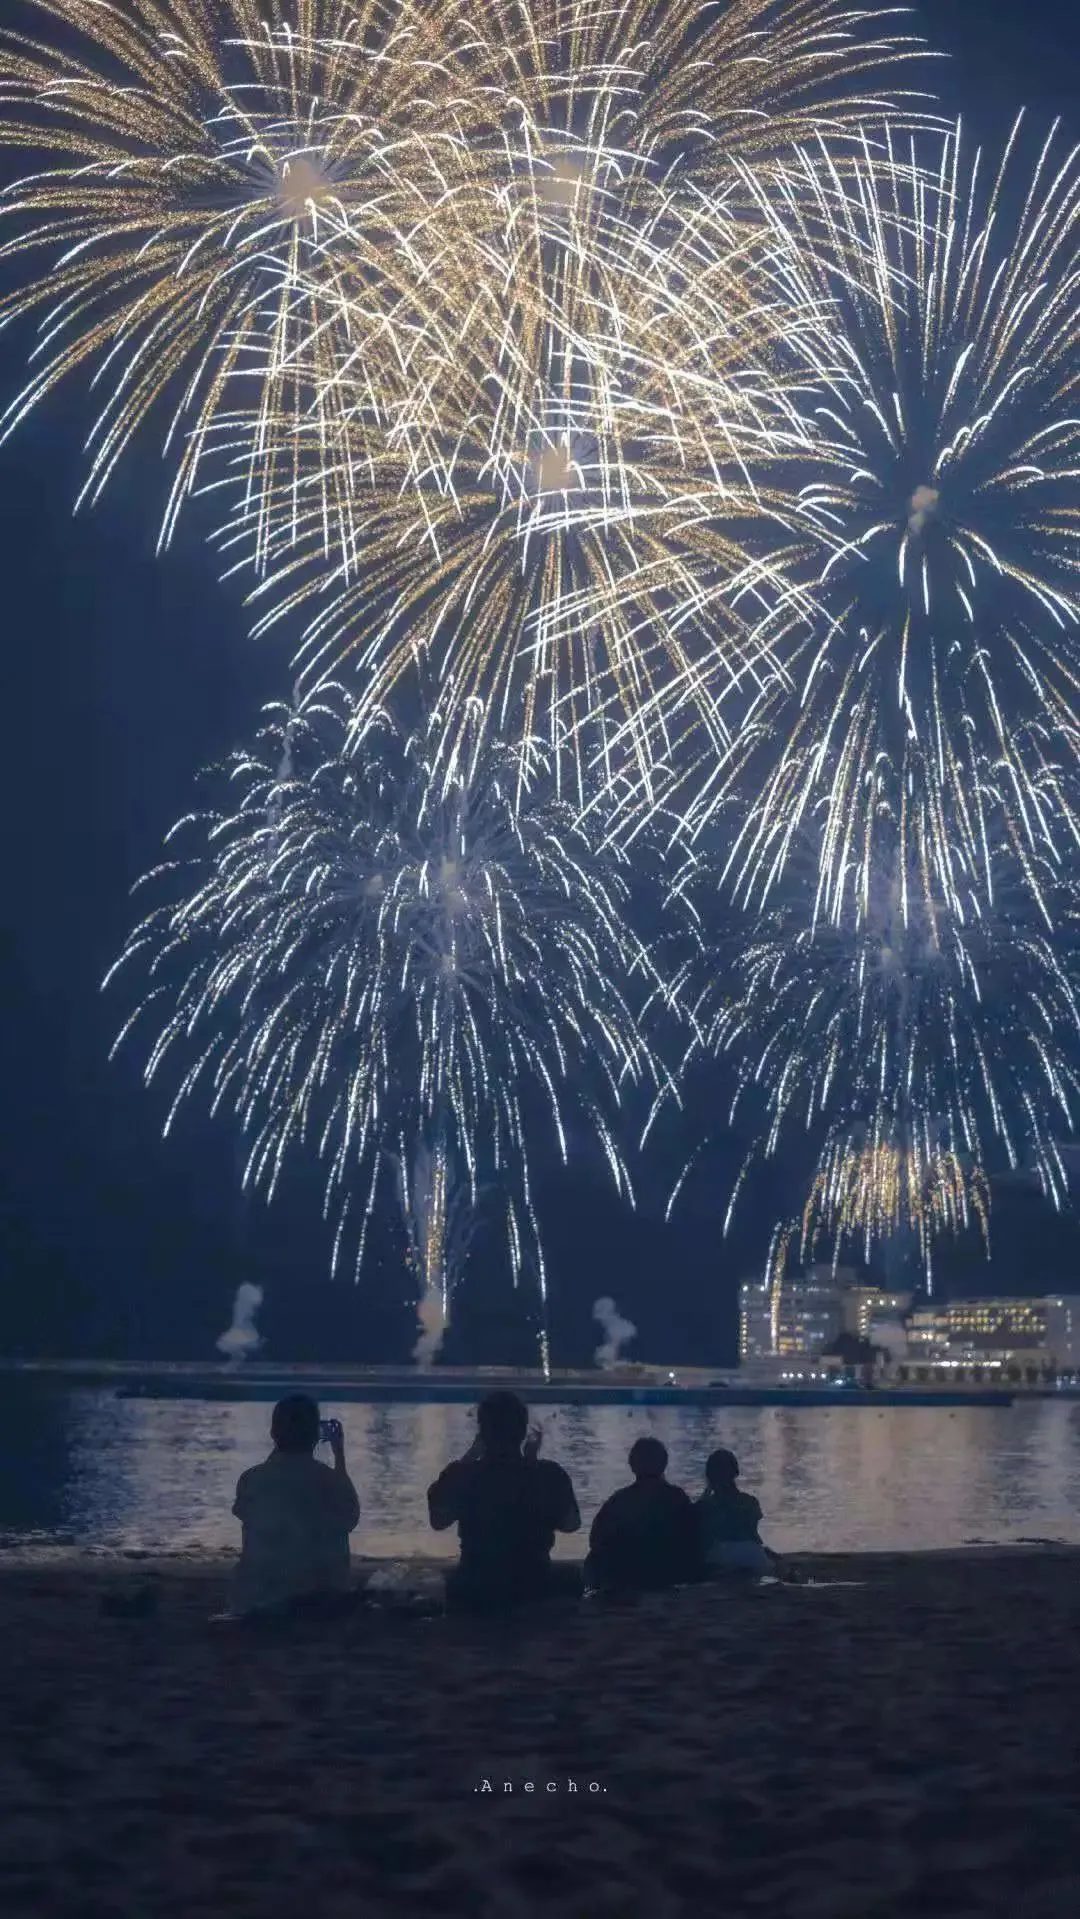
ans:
x=507 y=1504
x=297 y=1514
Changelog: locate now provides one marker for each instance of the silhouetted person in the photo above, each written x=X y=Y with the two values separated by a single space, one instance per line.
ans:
x=729 y=1522
x=297 y=1514
x=507 y=1504
x=645 y=1536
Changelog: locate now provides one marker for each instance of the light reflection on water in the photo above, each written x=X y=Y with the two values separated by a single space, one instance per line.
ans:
x=160 y=1474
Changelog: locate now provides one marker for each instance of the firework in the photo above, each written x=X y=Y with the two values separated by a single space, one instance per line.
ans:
x=407 y=270
x=440 y=1220
x=207 y=160
x=574 y=512
x=743 y=78
x=590 y=465
x=937 y=695
x=877 y=1193
x=407 y=971
x=878 y=1197
x=924 y=1037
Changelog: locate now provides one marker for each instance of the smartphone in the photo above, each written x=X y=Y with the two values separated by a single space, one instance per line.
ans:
x=329 y=1429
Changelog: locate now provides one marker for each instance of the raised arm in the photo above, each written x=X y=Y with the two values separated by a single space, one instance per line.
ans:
x=344 y=1490
x=569 y=1513
x=443 y=1498
x=347 y=1499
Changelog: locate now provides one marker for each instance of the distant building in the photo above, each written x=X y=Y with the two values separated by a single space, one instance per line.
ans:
x=995 y=1325
x=755 y=1320
x=809 y=1315
x=927 y=1333
x=1009 y=1336
x=1063 y=1330
x=800 y=1315
x=889 y=1335
x=794 y=1319
x=792 y=1322
x=862 y=1306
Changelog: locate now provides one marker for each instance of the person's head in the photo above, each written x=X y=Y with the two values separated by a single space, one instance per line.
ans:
x=721 y=1470
x=648 y=1459
x=502 y=1421
x=294 y=1427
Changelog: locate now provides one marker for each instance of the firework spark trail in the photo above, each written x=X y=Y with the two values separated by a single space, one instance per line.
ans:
x=493 y=329
x=868 y=1197
x=925 y=1037
x=439 y=1219
x=940 y=692
x=587 y=482
x=280 y=224
x=208 y=156
x=872 y=1192
x=372 y=959
x=743 y=78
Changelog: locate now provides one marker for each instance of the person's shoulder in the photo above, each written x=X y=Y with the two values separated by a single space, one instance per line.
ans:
x=459 y=1470
x=295 y=1470
x=256 y=1486
x=622 y=1495
x=321 y=1474
x=456 y=1477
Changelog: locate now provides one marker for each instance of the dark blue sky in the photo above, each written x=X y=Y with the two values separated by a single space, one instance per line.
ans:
x=123 y=674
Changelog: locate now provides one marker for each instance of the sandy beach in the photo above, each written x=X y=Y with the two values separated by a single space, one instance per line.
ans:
x=905 y=1745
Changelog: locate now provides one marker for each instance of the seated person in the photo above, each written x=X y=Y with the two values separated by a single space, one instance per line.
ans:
x=297 y=1514
x=645 y=1536
x=728 y=1522
x=507 y=1504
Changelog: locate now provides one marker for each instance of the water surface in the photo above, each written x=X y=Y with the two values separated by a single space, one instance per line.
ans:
x=87 y=1468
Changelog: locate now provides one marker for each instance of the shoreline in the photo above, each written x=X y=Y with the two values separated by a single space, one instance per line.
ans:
x=630 y=1385
x=199 y=1561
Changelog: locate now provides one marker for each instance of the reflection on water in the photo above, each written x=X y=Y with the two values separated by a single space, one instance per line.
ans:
x=160 y=1474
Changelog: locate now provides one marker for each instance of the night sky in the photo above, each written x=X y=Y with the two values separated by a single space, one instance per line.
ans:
x=123 y=674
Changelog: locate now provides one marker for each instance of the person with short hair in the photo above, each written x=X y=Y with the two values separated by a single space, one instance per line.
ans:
x=297 y=1514
x=729 y=1522
x=644 y=1538
x=507 y=1504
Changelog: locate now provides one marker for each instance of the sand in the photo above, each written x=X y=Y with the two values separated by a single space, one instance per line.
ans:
x=902 y=1746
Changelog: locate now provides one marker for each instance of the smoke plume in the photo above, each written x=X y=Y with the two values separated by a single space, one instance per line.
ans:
x=242 y=1338
x=618 y=1332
